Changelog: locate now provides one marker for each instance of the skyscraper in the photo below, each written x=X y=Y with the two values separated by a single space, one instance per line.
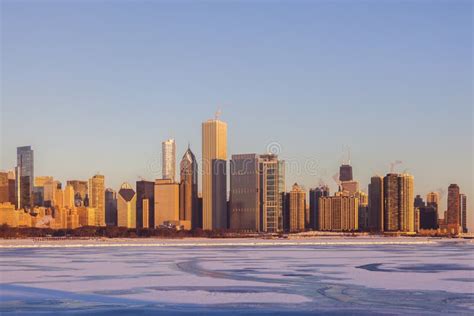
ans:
x=407 y=210
x=339 y=212
x=168 y=151
x=244 y=192
x=376 y=204
x=297 y=207
x=24 y=176
x=188 y=189
x=454 y=208
x=314 y=195
x=399 y=212
x=166 y=202
x=345 y=172
x=97 y=197
x=110 y=207
x=463 y=205
x=145 y=204
x=214 y=157
x=126 y=207
x=432 y=199
x=272 y=184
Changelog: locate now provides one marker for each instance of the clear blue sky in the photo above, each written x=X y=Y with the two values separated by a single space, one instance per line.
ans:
x=97 y=85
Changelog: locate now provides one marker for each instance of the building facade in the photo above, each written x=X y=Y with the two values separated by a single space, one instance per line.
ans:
x=188 y=189
x=314 y=195
x=168 y=152
x=97 y=197
x=376 y=204
x=145 y=204
x=126 y=207
x=297 y=208
x=166 y=202
x=214 y=155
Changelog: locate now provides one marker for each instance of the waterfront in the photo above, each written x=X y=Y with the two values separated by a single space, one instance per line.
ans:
x=307 y=276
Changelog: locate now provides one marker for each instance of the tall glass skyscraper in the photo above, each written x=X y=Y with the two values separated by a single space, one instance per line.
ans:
x=24 y=176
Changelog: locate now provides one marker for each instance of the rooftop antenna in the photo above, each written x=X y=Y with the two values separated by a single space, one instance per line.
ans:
x=218 y=114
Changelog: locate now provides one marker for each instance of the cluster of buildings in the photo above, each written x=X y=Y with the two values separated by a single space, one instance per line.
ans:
x=257 y=200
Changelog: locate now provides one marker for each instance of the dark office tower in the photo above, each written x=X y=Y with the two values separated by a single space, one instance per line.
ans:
x=345 y=173
x=463 y=204
x=391 y=203
x=272 y=183
x=314 y=195
x=244 y=192
x=419 y=201
x=11 y=189
x=199 y=212
x=376 y=204
x=110 y=207
x=3 y=187
x=285 y=202
x=24 y=176
x=145 y=204
x=219 y=194
x=428 y=217
x=454 y=207
x=188 y=189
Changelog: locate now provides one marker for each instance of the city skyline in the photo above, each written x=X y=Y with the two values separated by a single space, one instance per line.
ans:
x=306 y=100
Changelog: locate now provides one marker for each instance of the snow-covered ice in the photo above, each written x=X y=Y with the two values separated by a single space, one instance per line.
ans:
x=303 y=277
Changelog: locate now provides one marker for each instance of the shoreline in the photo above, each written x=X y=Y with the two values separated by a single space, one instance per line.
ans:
x=220 y=242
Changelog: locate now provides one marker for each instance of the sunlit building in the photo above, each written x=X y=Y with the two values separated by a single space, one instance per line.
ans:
x=297 y=207
x=126 y=207
x=339 y=213
x=314 y=195
x=97 y=198
x=166 y=202
x=214 y=157
x=463 y=205
x=80 y=191
x=168 y=151
x=453 y=218
x=399 y=212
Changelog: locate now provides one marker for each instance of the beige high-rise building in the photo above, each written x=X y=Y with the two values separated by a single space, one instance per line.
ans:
x=59 y=198
x=339 y=213
x=166 y=202
x=72 y=219
x=126 y=207
x=97 y=197
x=168 y=159
x=86 y=215
x=69 y=196
x=40 y=181
x=407 y=209
x=214 y=157
x=297 y=207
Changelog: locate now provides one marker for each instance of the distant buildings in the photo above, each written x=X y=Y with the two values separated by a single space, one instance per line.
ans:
x=4 y=194
x=126 y=207
x=314 y=195
x=80 y=191
x=168 y=148
x=214 y=183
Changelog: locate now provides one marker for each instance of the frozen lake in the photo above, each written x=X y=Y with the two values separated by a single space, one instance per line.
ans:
x=191 y=277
